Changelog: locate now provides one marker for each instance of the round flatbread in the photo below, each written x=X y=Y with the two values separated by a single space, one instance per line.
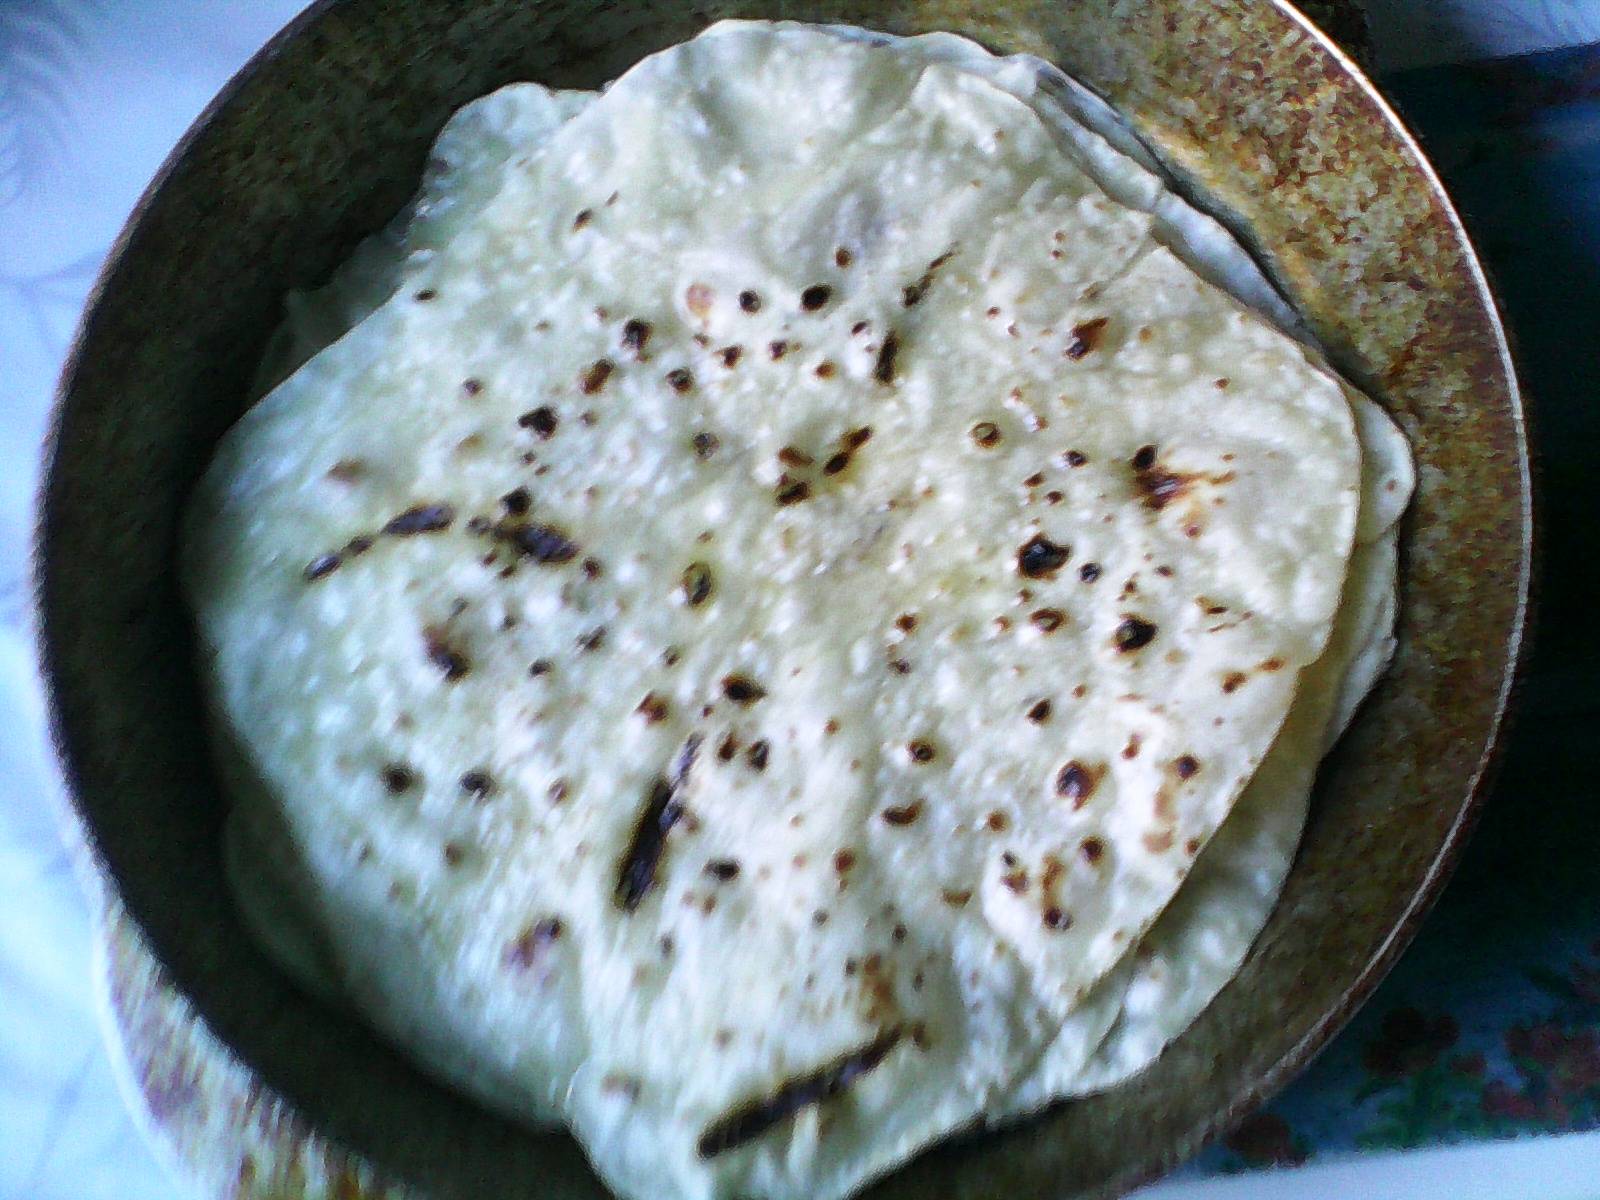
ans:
x=689 y=633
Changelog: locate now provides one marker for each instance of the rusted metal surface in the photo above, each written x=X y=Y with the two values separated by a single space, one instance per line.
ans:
x=319 y=141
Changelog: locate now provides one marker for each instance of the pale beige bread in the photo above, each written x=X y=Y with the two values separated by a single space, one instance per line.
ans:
x=487 y=935
x=462 y=174
x=1197 y=945
x=1199 y=941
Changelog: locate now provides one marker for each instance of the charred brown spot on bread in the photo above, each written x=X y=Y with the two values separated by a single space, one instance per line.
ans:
x=1165 y=809
x=1089 y=572
x=741 y=689
x=791 y=456
x=452 y=663
x=420 y=518
x=531 y=944
x=986 y=434
x=1133 y=633
x=1074 y=458
x=635 y=333
x=322 y=566
x=543 y=543
x=663 y=809
x=842 y=257
x=850 y=443
x=653 y=708
x=1159 y=842
x=888 y=354
x=750 y=1120
x=1056 y=920
x=1159 y=485
x=680 y=379
x=698 y=298
x=1039 y=713
x=478 y=784
x=729 y=356
x=921 y=750
x=815 y=297
x=757 y=754
x=1048 y=620
x=777 y=349
x=1076 y=782
x=1040 y=558
x=541 y=421
x=705 y=444
x=1092 y=849
x=595 y=375
x=1160 y=488
x=1234 y=680
x=584 y=216
x=517 y=502
x=722 y=869
x=749 y=301
x=911 y=295
x=347 y=470
x=903 y=814
x=1086 y=337
x=1187 y=766
x=791 y=491
x=398 y=777
x=697 y=584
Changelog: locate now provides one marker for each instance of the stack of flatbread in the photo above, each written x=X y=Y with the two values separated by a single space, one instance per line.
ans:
x=782 y=612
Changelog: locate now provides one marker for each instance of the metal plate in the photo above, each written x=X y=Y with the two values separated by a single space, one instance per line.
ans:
x=320 y=139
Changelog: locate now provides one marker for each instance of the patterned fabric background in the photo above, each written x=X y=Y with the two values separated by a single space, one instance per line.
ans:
x=1490 y=1027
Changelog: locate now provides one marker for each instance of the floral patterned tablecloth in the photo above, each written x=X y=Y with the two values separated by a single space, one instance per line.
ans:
x=1490 y=1026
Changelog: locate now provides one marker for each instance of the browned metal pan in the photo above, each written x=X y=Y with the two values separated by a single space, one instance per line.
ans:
x=318 y=141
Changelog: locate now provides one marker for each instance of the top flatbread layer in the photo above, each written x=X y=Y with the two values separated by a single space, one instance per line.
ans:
x=499 y=857
x=1200 y=939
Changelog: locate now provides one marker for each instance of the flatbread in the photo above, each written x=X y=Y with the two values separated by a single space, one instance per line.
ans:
x=459 y=825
